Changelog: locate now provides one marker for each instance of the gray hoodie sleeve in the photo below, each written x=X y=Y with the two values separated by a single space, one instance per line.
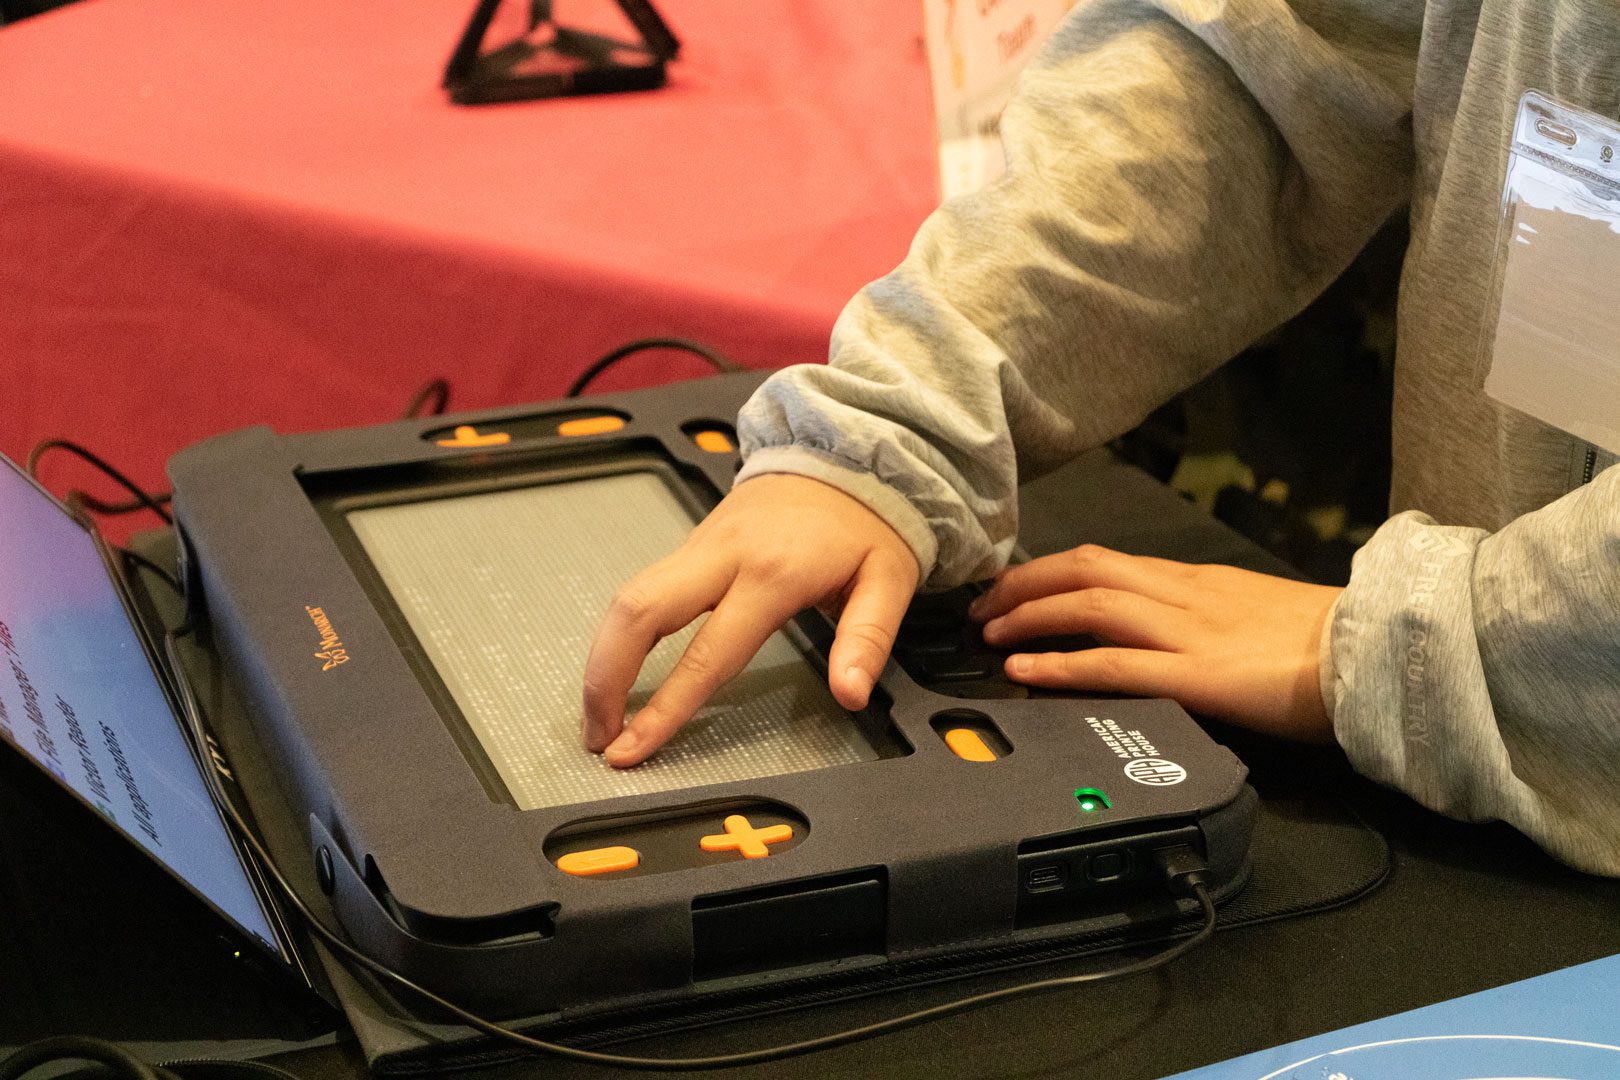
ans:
x=1182 y=176
x=1480 y=673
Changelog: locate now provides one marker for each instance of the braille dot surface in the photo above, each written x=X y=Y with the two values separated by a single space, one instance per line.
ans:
x=505 y=589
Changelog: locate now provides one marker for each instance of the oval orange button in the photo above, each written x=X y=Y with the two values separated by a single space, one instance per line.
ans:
x=968 y=745
x=590 y=425
x=599 y=861
x=713 y=442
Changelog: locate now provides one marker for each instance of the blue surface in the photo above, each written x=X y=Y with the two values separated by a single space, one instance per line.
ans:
x=1562 y=1026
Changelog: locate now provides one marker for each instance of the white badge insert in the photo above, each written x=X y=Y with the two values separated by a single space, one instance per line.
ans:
x=1552 y=349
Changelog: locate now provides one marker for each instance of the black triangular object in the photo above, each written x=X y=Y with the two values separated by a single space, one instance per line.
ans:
x=544 y=59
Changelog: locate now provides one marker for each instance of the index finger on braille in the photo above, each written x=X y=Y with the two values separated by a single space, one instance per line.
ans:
x=654 y=604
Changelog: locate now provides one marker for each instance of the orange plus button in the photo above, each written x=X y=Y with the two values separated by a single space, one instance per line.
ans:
x=743 y=837
x=469 y=436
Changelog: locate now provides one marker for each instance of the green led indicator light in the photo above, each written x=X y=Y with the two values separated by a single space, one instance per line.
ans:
x=1091 y=800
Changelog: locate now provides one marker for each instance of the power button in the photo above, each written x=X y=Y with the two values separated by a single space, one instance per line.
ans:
x=1106 y=867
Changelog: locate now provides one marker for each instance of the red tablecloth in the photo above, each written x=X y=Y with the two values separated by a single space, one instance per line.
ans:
x=221 y=213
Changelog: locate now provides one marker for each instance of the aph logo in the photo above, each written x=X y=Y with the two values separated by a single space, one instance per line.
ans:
x=1155 y=772
x=332 y=650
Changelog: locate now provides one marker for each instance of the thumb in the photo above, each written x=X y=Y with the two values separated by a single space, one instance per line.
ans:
x=866 y=630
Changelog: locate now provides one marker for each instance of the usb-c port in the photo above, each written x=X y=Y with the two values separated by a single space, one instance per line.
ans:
x=1047 y=878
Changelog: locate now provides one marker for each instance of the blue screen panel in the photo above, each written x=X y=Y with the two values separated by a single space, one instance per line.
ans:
x=79 y=697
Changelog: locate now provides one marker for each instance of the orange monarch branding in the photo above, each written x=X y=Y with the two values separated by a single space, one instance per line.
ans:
x=332 y=650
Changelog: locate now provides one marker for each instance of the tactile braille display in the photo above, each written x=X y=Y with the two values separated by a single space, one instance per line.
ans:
x=504 y=590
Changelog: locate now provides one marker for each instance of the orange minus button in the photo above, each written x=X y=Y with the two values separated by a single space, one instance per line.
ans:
x=969 y=745
x=603 y=860
x=590 y=425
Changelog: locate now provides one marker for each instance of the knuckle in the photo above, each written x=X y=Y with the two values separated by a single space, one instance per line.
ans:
x=1108 y=664
x=899 y=562
x=868 y=635
x=632 y=604
x=1087 y=554
x=603 y=680
x=773 y=568
x=1097 y=602
x=654 y=722
x=594 y=688
x=698 y=661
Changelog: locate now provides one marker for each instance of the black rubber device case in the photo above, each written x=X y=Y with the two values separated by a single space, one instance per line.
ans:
x=921 y=854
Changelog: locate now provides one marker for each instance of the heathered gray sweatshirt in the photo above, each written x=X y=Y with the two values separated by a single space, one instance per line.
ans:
x=1183 y=175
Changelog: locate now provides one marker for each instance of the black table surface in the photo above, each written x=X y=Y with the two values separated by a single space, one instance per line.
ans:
x=1465 y=908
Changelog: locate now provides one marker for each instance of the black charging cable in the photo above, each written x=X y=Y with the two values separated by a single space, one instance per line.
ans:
x=435 y=396
x=112 y=1059
x=108 y=1061
x=718 y=360
x=431 y=400
x=143 y=500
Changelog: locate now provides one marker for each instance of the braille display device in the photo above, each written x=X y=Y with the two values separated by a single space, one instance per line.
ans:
x=407 y=609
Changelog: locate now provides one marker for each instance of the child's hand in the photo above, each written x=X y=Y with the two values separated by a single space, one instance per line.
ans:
x=776 y=545
x=1224 y=642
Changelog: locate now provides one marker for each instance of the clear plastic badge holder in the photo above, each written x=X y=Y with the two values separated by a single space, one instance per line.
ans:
x=1552 y=345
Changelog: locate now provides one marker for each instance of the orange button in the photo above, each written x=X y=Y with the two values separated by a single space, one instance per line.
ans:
x=713 y=442
x=968 y=745
x=603 y=860
x=590 y=425
x=743 y=837
x=467 y=435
